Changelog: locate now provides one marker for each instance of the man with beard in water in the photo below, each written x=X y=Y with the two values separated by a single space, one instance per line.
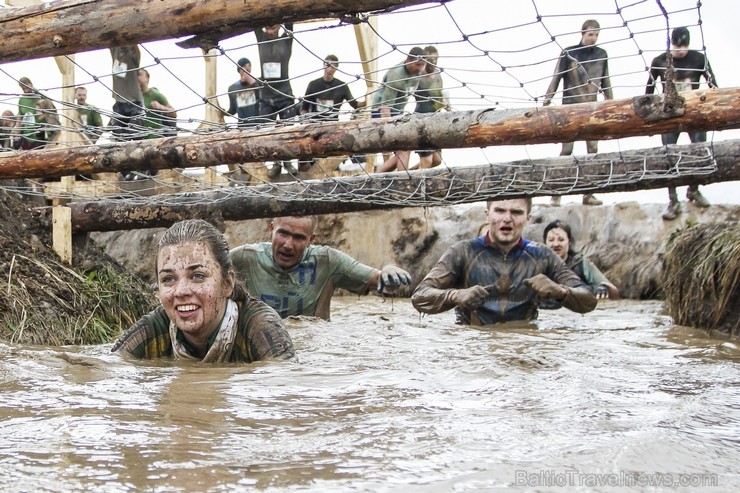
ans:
x=295 y=277
x=500 y=277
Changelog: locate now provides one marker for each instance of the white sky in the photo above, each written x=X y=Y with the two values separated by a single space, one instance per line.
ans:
x=515 y=39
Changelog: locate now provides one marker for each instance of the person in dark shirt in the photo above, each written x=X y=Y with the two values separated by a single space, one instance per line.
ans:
x=276 y=98
x=325 y=95
x=584 y=70
x=244 y=96
x=690 y=66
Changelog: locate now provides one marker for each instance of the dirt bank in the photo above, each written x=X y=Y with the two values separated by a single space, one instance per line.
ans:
x=46 y=302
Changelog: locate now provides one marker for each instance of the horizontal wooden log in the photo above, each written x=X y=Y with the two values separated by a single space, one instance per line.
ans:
x=606 y=172
x=711 y=109
x=73 y=26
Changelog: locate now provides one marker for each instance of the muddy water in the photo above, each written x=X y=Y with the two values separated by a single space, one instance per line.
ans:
x=383 y=400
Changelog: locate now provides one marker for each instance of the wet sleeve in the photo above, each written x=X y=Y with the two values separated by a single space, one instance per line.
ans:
x=580 y=298
x=560 y=68
x=349 y=274
x=433 y=292
x=148 y=338
x=268 y=338
x=593 y=275
x=606 y=83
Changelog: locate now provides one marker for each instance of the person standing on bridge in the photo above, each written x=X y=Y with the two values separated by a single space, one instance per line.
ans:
x=584 y=70
x=296 y=277
x=500 y=277
x=276 y=97
x=399 y=83
x=690 y=66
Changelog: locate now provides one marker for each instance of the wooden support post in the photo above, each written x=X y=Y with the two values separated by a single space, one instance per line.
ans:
x=62 y=225
x=367 y=45
x=214 y=113
x=62 y=233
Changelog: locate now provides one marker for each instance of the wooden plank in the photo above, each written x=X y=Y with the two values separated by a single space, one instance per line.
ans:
x=62 y=233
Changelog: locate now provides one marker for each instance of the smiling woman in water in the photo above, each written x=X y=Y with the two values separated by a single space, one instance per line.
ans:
x=205 y=315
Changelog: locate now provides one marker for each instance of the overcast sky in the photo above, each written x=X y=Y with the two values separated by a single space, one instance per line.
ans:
x=475 y=39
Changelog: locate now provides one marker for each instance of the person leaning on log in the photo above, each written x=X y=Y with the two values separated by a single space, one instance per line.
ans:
x=206 y=315
x=324 y=98
x=500 y=277
x=559 y=238
x=88 y=117
x=244 y=96
x=296 y=277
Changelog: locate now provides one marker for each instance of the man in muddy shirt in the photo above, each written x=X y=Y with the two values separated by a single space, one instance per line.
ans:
x=500 y=277
x=584 y=70
x=295 y=277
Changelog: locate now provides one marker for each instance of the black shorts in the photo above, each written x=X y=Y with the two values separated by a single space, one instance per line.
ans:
x=426 y=153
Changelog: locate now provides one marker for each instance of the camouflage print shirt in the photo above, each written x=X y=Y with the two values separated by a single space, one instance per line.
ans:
x=261 y=335
x=478 y=262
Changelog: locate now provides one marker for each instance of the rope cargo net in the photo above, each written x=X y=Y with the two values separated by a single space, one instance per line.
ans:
x=485 y=61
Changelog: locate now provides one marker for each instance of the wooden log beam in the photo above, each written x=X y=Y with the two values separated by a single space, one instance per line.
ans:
x=73 y=26
x=710 y=109
x=608 y=172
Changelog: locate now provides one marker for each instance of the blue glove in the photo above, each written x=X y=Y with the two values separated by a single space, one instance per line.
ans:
x=392 y=277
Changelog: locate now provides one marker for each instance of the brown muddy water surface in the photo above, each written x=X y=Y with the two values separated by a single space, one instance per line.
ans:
x=380 y=399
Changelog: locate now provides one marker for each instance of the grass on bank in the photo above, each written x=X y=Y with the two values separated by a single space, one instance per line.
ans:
x=68 y=306
x=702 y=277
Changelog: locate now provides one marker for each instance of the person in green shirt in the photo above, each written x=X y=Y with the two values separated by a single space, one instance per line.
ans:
x=88 y=116
x=399 y=83
x=28 y=123
x=160 y=114
x=205 y=314
x=295 y=277
x=29 y=98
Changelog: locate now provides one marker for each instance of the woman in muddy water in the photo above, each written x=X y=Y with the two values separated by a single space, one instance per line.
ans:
x=559 y=237
x=205 y=315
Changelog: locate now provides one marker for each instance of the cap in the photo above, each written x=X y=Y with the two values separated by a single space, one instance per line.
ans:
x=243 y=61
x=680 y=36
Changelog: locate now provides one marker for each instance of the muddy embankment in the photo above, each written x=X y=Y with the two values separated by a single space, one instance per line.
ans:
x=626 y=241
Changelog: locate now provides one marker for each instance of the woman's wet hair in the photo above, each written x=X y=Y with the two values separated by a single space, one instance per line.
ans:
x=558 y=224
x=200 y=231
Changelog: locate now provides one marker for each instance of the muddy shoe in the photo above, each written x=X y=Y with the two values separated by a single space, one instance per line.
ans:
x=555 y=201
x=275 y=171
x=589 y=199
x=697 y=198
x=672 y=211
